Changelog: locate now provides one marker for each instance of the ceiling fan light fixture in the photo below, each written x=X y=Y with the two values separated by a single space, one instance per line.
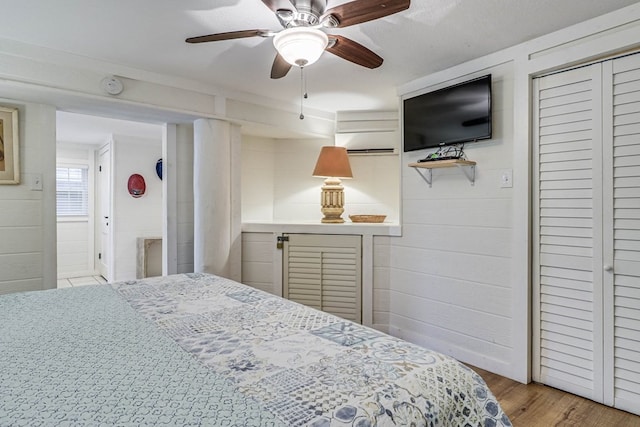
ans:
x=300 y=46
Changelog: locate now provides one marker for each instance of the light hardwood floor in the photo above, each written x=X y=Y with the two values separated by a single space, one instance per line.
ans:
x=536 y=405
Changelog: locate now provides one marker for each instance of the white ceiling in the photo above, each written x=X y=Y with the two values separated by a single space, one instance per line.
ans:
x=85 y=129
x=431 y=35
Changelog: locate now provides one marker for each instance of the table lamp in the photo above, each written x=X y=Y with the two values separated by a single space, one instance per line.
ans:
x=332 y=164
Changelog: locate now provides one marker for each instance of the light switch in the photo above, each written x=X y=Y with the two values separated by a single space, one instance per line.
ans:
x=36 y=182
x=506 y=178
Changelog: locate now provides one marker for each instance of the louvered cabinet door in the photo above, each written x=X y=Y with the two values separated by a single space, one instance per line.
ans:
x=325 y=272
x=567 y=241
x=625 y=233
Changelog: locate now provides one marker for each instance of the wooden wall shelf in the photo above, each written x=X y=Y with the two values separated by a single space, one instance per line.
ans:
x=468 y=167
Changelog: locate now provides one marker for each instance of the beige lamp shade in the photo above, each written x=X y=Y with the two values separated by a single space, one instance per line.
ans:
x=333 y=162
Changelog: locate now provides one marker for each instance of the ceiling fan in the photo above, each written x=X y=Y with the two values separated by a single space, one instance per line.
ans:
x=303 y=40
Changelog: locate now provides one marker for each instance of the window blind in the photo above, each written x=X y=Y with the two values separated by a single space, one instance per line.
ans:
x=72 y=191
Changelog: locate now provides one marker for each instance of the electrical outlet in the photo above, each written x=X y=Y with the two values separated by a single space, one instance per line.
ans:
x=506 y=178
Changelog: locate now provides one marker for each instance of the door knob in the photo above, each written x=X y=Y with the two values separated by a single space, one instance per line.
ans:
x=608 y=267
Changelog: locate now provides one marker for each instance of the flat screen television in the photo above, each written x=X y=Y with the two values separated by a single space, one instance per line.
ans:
x=453 y=115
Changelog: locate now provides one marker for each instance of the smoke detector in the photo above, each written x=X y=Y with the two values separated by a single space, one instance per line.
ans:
x=112 y=85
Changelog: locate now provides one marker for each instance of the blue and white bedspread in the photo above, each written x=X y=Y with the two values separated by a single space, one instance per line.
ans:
x=198 y=349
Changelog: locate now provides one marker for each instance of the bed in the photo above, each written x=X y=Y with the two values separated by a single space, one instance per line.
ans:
x=201 y=350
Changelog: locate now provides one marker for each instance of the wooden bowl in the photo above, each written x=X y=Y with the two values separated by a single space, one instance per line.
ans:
x=367 y=218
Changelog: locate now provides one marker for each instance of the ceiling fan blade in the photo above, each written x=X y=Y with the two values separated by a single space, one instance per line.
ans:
x=228 y=36
x=276 y=5
x=280 y=67
x=352 y=51
x=359 y=11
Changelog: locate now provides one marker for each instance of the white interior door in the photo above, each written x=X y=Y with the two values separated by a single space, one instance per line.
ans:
x=104 y=209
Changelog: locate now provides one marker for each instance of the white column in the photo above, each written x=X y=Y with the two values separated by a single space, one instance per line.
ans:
x=45 y=115
x=170 y=201
x=215 y=191
x=235 y=251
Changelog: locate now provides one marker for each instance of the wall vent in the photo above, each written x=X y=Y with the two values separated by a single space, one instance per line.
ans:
x=368 y=151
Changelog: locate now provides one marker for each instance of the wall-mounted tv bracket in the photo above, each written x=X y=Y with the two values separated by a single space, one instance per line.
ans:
x=467 y=167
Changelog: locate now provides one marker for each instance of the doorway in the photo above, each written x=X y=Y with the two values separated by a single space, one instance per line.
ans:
x=87 y=146
x=103 y=231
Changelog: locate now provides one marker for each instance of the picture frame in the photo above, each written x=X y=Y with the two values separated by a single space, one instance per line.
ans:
x=9 y=146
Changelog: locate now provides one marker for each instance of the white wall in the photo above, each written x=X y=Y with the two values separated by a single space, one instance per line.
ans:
x=134 y=217
x=73 y=249
x=460 y=275
x=75 y=234
x=277 y=184
x=450 y=271
x=381 y=283
x=259 y=259
x=297 y=192
x=28 y=217
x=375 y=187
x=258 y=182
x=70 y=152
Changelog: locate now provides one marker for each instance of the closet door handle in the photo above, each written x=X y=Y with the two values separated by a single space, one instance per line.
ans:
x=608 y=267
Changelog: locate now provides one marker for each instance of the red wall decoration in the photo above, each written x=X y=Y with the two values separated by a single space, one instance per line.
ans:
x=136 y=185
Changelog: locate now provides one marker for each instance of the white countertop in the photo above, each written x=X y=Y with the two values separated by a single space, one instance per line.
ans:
x=348 y=227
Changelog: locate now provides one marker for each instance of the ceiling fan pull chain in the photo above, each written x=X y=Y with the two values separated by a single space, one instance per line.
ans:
x=303 y=92
x=304 y=78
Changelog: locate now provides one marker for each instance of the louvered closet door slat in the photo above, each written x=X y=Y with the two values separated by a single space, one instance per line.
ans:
x=340 y=272
x=626 y=150
x=561 y=142
x=626 y=232
x=548 y=159
x=567 y=122
x=304 y=277
x=564 y=165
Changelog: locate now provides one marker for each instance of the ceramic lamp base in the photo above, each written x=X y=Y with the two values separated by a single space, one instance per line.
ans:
x=332 y=201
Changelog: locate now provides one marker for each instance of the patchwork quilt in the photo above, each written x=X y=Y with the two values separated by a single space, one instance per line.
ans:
x=201 y=350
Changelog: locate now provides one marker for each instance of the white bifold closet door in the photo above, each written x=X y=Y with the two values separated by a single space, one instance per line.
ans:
x=568 y=327
x=587 y=231
x=622 y=241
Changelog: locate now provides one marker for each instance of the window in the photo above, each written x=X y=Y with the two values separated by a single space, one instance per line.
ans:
x=72 y=191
